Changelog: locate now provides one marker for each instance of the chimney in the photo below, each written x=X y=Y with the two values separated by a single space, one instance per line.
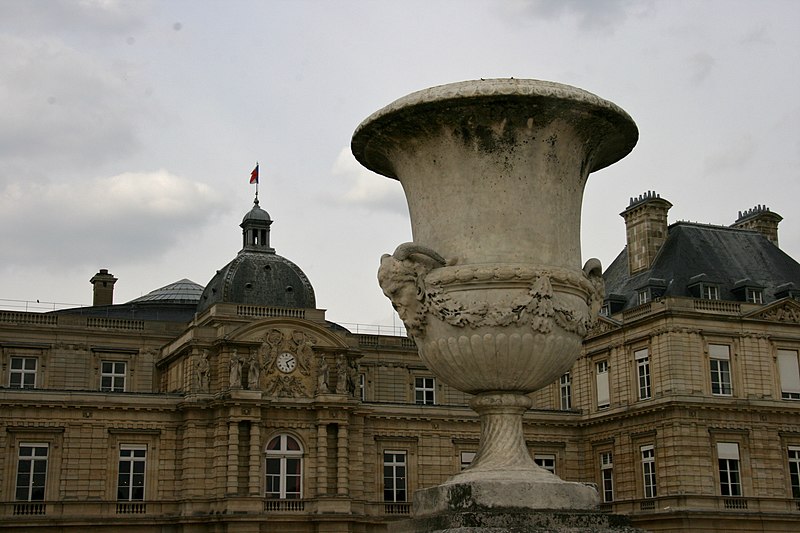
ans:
x=646 y=229
x=761 y=219
x=103 y=288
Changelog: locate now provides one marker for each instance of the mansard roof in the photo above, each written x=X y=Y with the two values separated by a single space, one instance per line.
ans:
x=727 y=258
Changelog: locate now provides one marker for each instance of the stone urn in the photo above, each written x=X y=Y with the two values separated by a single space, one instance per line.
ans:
x=491 y=289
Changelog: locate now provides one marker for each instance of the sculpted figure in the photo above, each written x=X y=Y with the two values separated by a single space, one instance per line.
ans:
x=236 y=370
x=341 y=374
x=322 y=376
x=203 y=368
x=253 y=372
x=302 y=347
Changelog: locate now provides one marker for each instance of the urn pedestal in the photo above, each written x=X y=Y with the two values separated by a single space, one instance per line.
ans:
x=491 y=289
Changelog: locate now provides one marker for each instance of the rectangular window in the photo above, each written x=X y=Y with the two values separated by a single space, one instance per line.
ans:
x=644 y=296
x=643 y=371
x=130 y=482
x=602 y=385
x=607 y=476
x=112 y=376
x=730 y=483
x=362 y=387
x=546 y=461
x=394 y=476
x=794 y=470
x=466 y=459
x=789 y=373
x=720 y=369
x=755 y=296
x=649 y=471
x=710 y=292
x=424 y=391
x=22 y=373
x=565 y=388
x=31 y=472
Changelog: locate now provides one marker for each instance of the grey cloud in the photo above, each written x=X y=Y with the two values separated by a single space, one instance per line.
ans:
x=85 y=18
x=591 y=15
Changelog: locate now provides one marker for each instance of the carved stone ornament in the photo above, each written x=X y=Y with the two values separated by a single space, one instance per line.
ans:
x=787 y=313
x=287 y=387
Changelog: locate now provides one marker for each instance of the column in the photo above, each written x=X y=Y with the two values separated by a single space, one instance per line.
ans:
x=255 y=459
x=233 y=457
x=322 y=459
x=342 y=462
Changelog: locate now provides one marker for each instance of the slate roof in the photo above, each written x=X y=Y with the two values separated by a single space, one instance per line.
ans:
x=725 y=255
x=182 y=291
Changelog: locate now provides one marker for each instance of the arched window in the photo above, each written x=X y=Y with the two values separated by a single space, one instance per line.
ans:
x=284 y=468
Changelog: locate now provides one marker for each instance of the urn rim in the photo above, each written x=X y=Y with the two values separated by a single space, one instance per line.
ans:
x=369 y=140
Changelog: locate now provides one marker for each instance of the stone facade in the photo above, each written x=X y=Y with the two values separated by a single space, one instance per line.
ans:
x=683 y=411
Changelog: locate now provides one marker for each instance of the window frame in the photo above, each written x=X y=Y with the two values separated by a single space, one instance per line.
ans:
x=285 y=458
x=136 y=466
x=113 y=375
x=565 y=391
x=649 y=480
x=717 y=375
x=788 y=370
x=729 y=470
x=23 y=372
x=32 y=460
x=393 y=465
x=602 y=384
x=607 y=476
x=643 y=376
x=424 y=390
x=793 y=455
x=546 y=461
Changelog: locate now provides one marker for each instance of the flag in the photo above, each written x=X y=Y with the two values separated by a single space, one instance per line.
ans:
x=254 y=175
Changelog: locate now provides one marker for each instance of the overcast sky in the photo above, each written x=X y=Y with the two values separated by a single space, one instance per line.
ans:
x=128 y=130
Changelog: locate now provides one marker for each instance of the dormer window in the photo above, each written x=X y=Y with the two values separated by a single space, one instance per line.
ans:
x=754 y=296
x=701 y=287
x=747 y=291
x=644 y=296
x=710 y=292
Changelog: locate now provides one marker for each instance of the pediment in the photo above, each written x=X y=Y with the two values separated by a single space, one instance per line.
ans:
x=786 y=311
x=602 y=325
x=259 y=331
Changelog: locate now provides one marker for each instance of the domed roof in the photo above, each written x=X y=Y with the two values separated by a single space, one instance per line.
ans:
x=182 y=291
x=264 y=279
x=256 y=214
x=258 y=276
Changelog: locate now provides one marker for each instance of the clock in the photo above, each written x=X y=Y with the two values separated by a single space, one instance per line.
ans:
x=286 y=362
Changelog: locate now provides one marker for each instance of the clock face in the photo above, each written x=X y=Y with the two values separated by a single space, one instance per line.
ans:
x=286 y=362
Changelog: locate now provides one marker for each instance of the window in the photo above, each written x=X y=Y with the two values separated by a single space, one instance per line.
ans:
x=794 y=470
x=643 y=371
x=466 y=459
x=607 y=476
x=31 y=472
x=284 y=468
x=424 y=391
x=709 y=292
x=602 y=385
x=394 y=476
x=546 y=461
x=130 y=482
x=730 y=483
x=720 y=369
x=565 y=387
x=644 y=296
x=362 y=387
x=112 y=376
x=789 y=373
x=22 y=374
x=605 y=310
x=649 y=471
x=755 y=296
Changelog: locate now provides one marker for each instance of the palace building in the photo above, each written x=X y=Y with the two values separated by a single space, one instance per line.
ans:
x=236 y=406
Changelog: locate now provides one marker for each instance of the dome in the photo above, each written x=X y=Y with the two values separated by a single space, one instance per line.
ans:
x=183 y=291
x=258 y=276
x=264 y=279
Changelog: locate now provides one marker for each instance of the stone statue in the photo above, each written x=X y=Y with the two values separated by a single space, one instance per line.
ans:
x=236 y=370
x=322 y=376
x=203 y=368
x=303 y=350
x=253 y=372
x=341 y=374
